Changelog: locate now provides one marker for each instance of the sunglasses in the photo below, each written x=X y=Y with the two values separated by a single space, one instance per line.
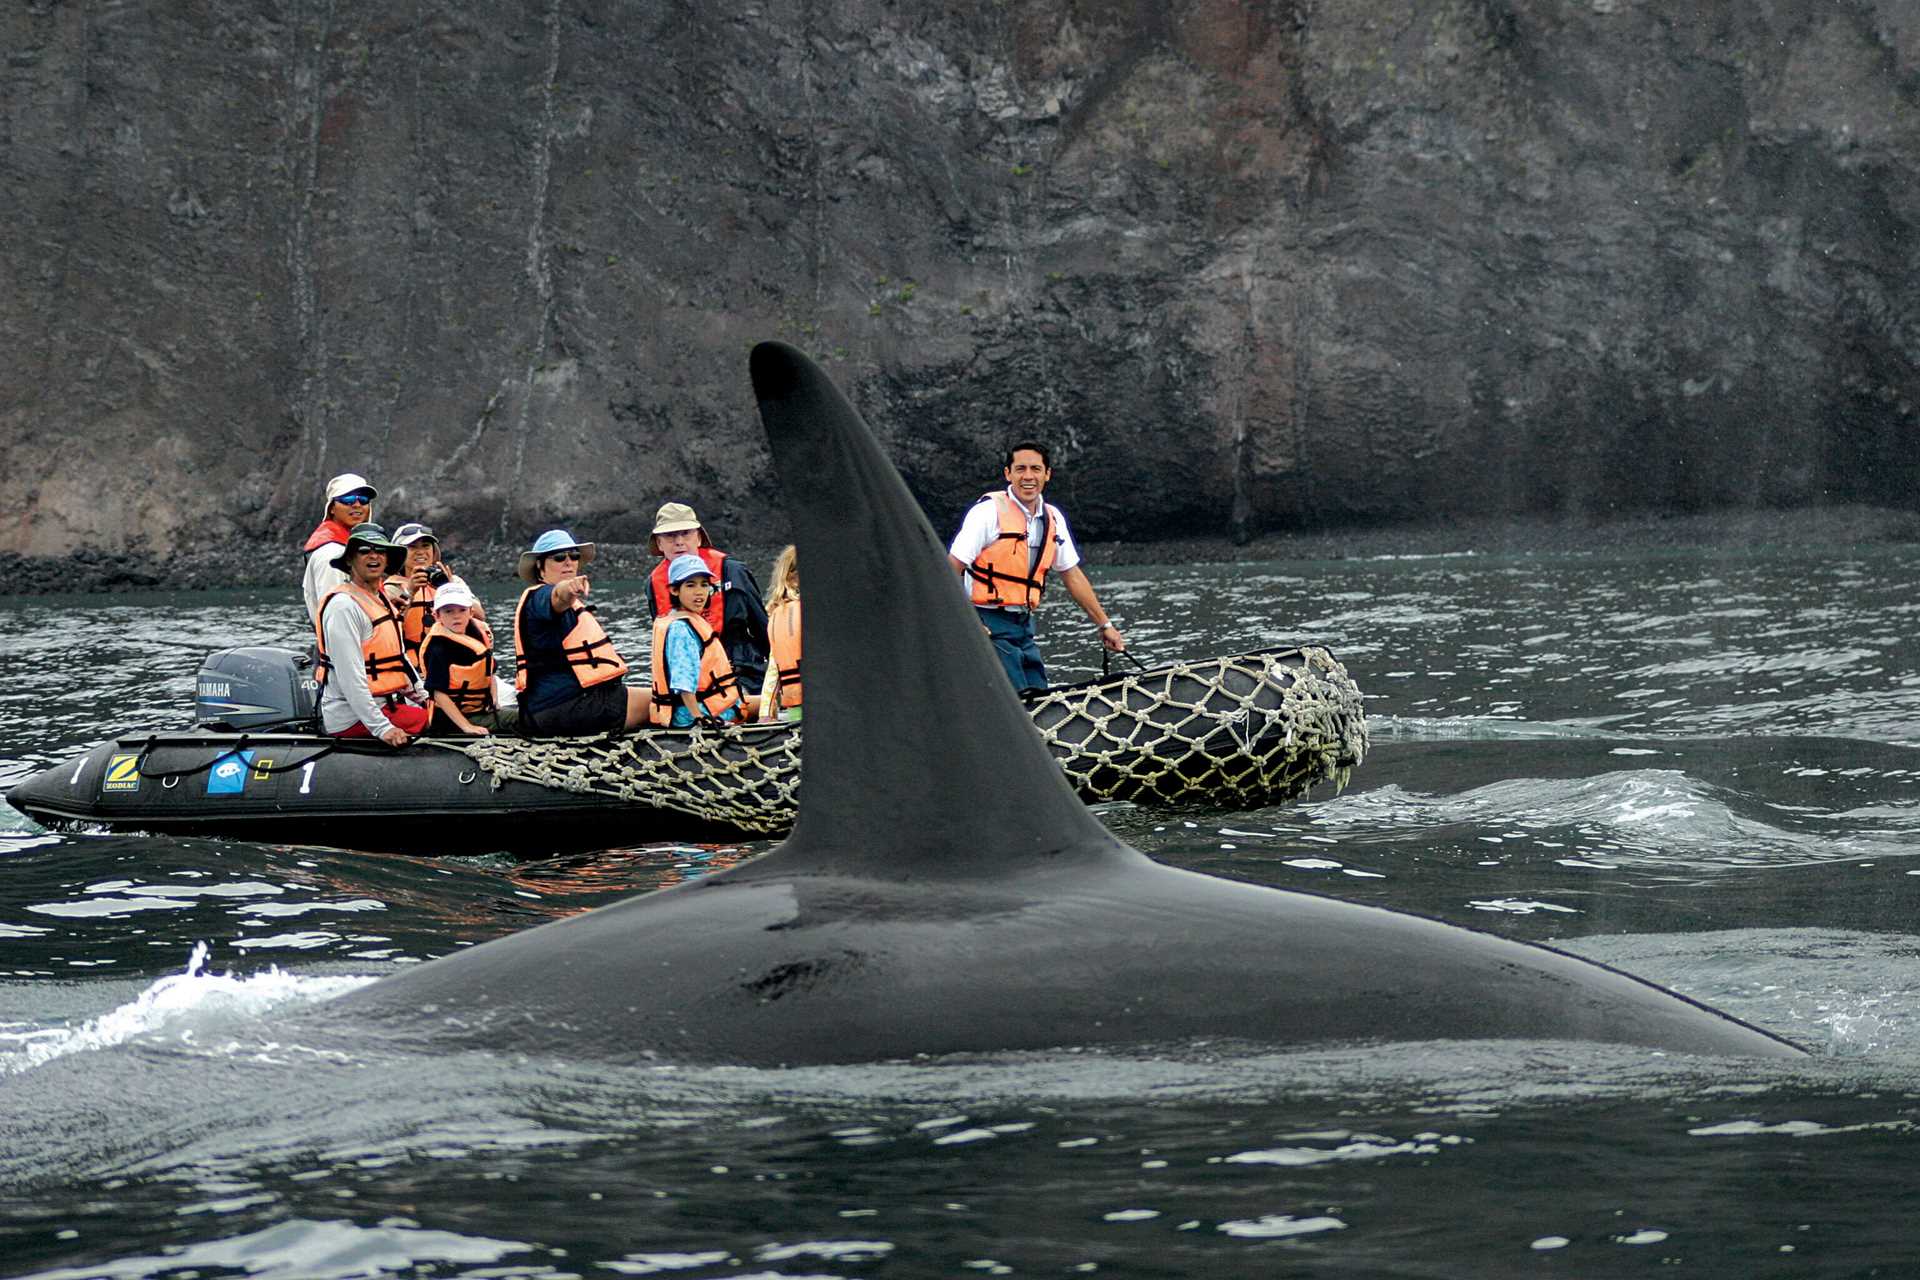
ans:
x=355 y=499
x=563 y=555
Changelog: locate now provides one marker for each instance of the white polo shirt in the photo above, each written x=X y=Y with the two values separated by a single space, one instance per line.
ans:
x=982 y=525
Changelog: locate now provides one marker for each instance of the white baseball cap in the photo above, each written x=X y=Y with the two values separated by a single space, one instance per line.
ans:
x=454 y=593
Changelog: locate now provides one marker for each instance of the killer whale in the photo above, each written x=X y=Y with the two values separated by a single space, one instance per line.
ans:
x=944 y=890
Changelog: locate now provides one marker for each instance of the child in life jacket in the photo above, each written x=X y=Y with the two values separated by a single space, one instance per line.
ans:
x=458 y=657
x=780 y=690
x=692 y=676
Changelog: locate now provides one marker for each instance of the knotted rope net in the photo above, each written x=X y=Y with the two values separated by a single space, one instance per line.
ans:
x=1239 y=732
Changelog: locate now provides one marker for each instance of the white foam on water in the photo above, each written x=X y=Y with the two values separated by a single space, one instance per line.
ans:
x=1275 y=1226
x=184 y=1006
x=307 y=1250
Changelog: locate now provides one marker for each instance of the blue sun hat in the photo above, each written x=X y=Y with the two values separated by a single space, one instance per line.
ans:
x=680 y=568
x=545 y=545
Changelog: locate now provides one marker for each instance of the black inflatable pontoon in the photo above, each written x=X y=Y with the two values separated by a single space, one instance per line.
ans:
x=1237 y=732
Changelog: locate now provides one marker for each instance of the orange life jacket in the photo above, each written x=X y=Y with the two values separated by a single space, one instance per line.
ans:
x=587 y=651
x=783 y=634
x=417 y=622
x=326 y=531
x=1000 y=576
x=716 y=610
x=385 y=654
x=717 y=688
x=469 y=684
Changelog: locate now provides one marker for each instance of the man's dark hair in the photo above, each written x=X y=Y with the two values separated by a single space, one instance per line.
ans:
x=1034 y=445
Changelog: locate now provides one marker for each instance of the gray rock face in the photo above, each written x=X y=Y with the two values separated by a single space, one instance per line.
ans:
x=1249 y=266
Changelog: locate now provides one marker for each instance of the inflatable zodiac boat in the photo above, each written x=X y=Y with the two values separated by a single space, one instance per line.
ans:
x=1238 y=733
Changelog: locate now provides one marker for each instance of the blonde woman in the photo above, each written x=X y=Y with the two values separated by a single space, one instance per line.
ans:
x=780 y=691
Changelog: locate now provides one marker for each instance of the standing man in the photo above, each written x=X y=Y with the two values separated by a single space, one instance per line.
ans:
x=349 y=502
x=368 y=688
x=1008 y=543
x=734 y=611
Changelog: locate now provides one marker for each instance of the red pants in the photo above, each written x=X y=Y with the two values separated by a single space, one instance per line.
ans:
x=404 y=716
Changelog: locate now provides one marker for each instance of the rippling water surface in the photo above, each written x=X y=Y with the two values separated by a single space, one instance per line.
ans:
x=1703 y=768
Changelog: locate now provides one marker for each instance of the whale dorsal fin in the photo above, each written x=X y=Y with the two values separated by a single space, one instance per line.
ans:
x=919 y=759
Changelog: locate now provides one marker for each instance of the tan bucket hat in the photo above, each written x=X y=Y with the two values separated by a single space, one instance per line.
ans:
x=676 y=517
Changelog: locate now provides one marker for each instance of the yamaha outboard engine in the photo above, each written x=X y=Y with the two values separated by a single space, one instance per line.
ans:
x=255 y=687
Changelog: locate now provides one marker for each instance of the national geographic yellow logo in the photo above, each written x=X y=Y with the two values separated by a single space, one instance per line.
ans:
x=123 y=774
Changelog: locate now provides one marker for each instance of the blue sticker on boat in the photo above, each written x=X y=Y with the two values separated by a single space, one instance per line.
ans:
x=122 y=773
x=228 y=777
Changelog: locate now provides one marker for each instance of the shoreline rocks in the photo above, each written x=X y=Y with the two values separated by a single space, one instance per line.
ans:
x=93 y=572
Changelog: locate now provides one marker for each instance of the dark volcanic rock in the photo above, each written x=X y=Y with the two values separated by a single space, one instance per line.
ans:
x=1253 y=267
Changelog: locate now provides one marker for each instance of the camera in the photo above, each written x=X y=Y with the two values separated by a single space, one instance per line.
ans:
x=437 y=576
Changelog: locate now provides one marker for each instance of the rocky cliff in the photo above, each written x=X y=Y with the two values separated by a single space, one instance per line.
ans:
x=1272 y=264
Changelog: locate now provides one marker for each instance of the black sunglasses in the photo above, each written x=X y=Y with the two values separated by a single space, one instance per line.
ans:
x=563 y=555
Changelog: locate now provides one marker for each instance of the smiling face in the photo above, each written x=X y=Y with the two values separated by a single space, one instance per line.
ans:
x=368 y=566
x=422 y=553
x=677 y=543
x=1028 y=475
x=351 y=509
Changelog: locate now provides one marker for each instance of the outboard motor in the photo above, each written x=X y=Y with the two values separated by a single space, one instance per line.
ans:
x=255 y=687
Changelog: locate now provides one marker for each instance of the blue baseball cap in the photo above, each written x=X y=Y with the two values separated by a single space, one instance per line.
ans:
x=680 y=568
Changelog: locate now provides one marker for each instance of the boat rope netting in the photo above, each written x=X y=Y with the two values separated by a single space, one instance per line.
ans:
x=1238 y=732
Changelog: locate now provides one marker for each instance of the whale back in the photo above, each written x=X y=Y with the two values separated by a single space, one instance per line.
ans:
x=945 y=891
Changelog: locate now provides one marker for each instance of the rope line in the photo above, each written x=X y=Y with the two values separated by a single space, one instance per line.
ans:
x=1240 y=732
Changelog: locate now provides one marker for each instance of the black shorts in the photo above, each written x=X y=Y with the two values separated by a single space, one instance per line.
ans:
x=601 y=709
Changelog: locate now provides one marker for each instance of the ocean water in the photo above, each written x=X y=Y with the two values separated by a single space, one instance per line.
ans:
x=1703 y=767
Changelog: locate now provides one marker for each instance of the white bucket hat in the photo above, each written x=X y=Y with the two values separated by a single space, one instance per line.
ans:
x=344 y=484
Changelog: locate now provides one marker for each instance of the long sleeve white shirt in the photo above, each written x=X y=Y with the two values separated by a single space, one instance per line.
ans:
x=345 y=697
x=321 y=577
